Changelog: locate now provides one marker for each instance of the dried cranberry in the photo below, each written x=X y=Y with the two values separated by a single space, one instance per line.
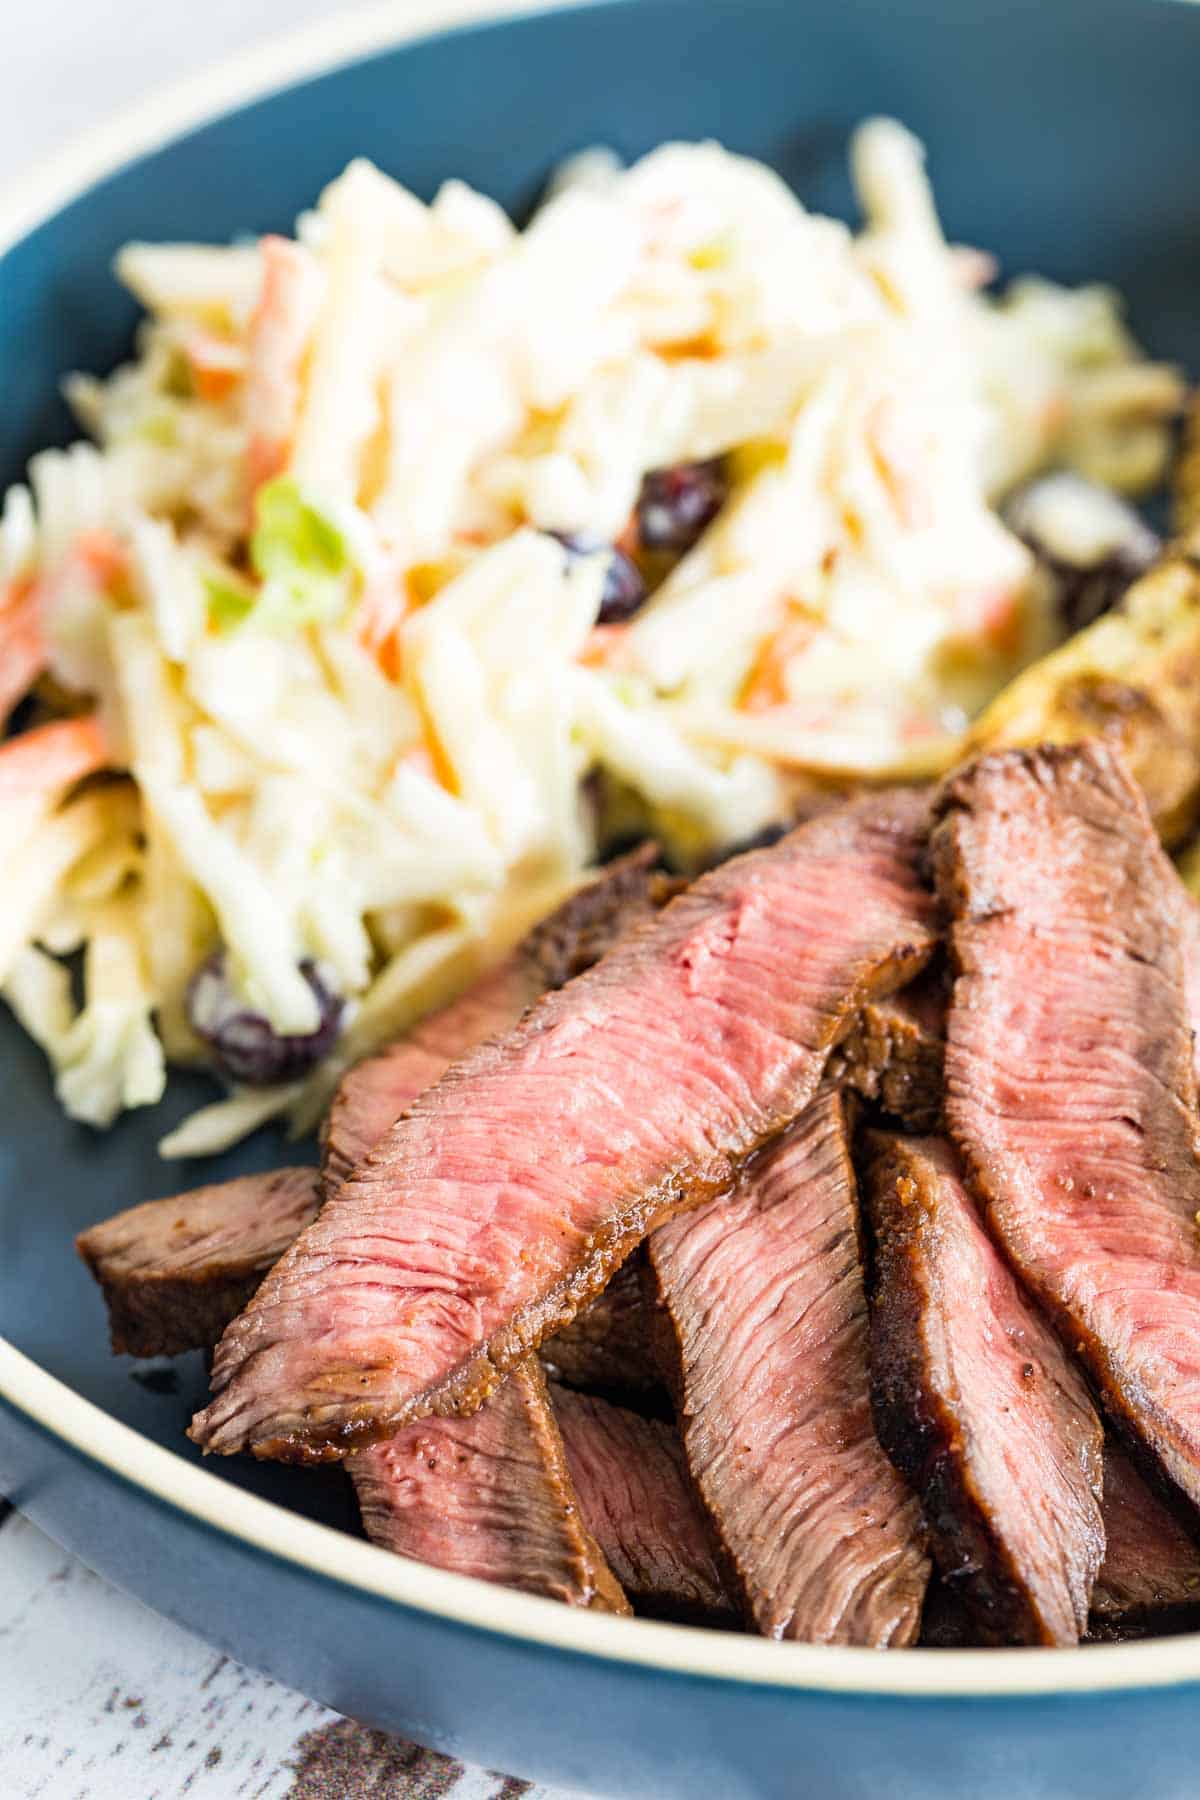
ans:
x=244 y=1045
x=1091 y=544
x=623 y=591
x=676 y=505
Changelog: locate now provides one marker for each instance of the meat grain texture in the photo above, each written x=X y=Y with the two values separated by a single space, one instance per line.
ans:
x=489 y=1496
x=635 y=1495
x=174 y=1272
x=511 y=1191
x=764 y=1298
x=1070 y=1089
x=979 y=1407
x=372 y=1095
x=1151 y=1570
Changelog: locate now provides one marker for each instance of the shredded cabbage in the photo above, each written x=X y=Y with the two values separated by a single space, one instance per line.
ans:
x=332 y=571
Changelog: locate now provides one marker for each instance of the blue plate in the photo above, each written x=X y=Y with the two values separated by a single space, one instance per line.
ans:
x=1063 y=135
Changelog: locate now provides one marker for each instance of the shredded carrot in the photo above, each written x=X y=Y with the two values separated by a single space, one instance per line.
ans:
x=51 y=758
x=379 y=622
x=22 y=646
x=993 y=615
x=605 y=647
x=280 y=328
x=215 y=365
x=898 y=464
x=766 y=686
x=103 y=555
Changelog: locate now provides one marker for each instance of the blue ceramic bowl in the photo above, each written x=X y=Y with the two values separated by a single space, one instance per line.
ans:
x=1063 y=134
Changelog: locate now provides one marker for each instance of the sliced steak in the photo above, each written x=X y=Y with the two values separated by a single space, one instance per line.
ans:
x=894 y=1054
x=762 y=1294
x=639 y=1504
x=1069 y=1070
x=373 y=1095
x=174 y=1272
x=510 y=1192
x=978 y=1406
x=1151 y=1568
x=490 y=1496
x=608 y=1344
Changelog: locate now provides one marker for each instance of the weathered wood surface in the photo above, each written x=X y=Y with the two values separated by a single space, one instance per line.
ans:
x=103 y=1700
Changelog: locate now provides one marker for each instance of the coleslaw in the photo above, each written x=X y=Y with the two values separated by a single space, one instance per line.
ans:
x=319 y=626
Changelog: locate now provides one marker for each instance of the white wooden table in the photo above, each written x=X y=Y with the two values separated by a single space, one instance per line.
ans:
x=100 y=1699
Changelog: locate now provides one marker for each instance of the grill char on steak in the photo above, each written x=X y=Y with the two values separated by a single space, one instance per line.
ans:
x=979 y=1407
x=635 y=1495
x=174 y=1272
x=511 y=1191
x=1069 y=1070
x=823 y=1539
x=489 y=1496
x=894 y=1054
x=372 y=1096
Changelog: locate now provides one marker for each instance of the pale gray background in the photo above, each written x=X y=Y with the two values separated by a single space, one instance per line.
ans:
x=68 y=64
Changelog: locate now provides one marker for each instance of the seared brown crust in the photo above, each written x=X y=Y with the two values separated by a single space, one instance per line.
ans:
x=587 y=925
x=1131 y=902
x=926 y=1423
x=174 y=1272
x=466 y=1390
x=895 y=1053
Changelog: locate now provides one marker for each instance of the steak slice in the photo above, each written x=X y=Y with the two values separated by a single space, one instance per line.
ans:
x=638 y=1502
x=763 y=1299
x=174 y=1272
x=1151 y=1569
x=372 y=1096
x=608 y=1344
x=490 y=1496
x=1069 y=1071
x=978 y=1406
x=894 y=1054
x=510 y=1192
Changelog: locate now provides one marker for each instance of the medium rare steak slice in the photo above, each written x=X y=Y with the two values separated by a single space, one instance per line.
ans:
x=1151 y=1567
x=489 y=1496
x=608 y=1344
x=639 y=1504
x=372 y=1096
x=894 y=1054
x=762 y=1293
x=978 y=1406
x=1069 y=1070
x=510 y=1192
x=174 y=1272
